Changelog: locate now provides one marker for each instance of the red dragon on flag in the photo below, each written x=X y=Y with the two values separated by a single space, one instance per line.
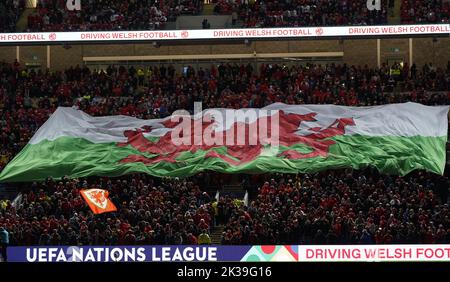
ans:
x=166 y=149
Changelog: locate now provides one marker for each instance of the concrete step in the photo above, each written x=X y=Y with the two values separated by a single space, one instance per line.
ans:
x=216 y=235
x=232 y=189
x=235 y=191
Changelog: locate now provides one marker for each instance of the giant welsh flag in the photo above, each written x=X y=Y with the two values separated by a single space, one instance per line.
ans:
x=279 y=138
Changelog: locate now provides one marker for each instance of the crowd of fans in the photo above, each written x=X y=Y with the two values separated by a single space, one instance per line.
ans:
x=294 y=13
x=28 y=97
x=343 y=207
x=53 y=15
x=297 y=13
x=425 y=11
x=150 y=211
x=332 y=207
x=10 y=12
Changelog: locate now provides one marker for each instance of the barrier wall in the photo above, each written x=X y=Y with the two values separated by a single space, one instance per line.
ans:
x=356 y=51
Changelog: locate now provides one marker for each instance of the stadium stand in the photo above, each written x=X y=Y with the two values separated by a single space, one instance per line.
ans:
x=151 y=77
x=343 y=207
x=28 y=97
x=338 y=207
x=52 y=15
x=335 y=207
x=427 y=11
x=152 y=211
x=309 y=13
x=109 y=15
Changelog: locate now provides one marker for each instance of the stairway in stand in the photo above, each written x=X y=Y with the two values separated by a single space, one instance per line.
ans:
x=233 y=188
x=208 y=9
x=394 y=13
x=236 y=188
x=22 y=23
x=216 y=235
